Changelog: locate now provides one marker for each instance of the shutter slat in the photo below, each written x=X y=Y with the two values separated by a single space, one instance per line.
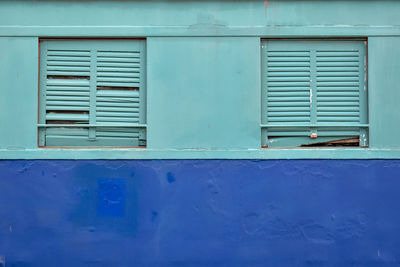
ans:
x=79 y=53
x=68 y=68
x=67 y=83
x=116 y=54
x=67 y=98
x=67 y=117
x=287 y=94
x=117 y=84
x=338 y=53
x=288 y=89
x=67 y=103
x=288 y=78
x=119 y=74
x=118 y=60
x=337 y=64
x=288 y=64
x=118 y=104
x=68 y=73
x=67 y=93
x=337 y=59
x=128 y=109
x=118 y=113
x=105 y=79
x=288 y=109
x=128 y=69
x=52 y=59
x=110 y=120
x=333 y=69
x=338 y=79
x=294 y=70
x=288 y=84
x=117 y=65
x=288 y=74
x=55 y=63
x=288 y=99
x=67 y=108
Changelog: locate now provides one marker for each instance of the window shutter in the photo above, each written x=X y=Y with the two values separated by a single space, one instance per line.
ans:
x=314 y=91
x=92 y=93
x=288 y=78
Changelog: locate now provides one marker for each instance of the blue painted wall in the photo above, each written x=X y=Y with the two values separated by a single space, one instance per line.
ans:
x=200 y=213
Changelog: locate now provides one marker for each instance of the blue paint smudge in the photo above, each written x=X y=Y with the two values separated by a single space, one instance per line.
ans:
x=154 y=215
x=170 y=177
x=111 y=197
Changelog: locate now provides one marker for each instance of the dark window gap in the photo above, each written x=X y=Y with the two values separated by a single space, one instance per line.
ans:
x=117 y=88
x=68 y=111
x=68 y=77
x=65 y=122
x=339 y=142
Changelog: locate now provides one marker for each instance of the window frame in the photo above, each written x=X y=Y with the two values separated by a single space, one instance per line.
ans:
x=363 y=127
x=142 y=125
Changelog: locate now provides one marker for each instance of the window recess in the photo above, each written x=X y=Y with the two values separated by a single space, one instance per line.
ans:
x=92 y=93
x=314 y=93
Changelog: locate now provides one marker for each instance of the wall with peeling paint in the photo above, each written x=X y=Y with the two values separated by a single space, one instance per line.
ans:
x=244 y=206
x=200 y=213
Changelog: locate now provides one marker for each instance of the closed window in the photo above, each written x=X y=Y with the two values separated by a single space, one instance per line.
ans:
x=314 y=93
x=92 y=93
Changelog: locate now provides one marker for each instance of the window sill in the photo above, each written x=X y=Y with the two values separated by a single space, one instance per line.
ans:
x=255 y=154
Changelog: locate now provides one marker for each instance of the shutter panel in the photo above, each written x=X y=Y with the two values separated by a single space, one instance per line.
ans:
x=94 y=90
x=67 y=85
x=118 y=91
x=338 y=86
x=334 y=72
x=288 y=93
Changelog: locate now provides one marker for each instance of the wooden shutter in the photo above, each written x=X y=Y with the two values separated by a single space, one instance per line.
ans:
x=92 y=93
x=314 y=91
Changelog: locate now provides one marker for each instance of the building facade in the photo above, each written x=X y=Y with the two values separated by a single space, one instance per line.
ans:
x=199 y=133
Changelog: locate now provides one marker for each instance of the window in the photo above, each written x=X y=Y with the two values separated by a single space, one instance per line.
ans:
x=92 y=93
x=314 y=93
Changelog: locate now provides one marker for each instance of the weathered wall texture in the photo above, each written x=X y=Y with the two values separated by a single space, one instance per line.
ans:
x=200 y=213
x=204 y=98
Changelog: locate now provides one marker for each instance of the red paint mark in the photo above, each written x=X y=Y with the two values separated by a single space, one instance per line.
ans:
x=266 y=3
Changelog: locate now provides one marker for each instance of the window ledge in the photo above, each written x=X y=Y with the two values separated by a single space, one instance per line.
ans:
x=126 y=153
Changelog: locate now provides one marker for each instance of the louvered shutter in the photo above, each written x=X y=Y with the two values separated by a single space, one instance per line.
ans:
x=314 y=91
x=92 y=93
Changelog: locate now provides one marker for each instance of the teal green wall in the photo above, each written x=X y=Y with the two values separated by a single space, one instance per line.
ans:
x=203 y=92
x=384 y=91
x=18 y=94
x=198 y=14
x=203 y=70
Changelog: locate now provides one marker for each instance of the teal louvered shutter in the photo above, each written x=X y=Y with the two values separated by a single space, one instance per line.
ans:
x=92 y=93
x=314 y=92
